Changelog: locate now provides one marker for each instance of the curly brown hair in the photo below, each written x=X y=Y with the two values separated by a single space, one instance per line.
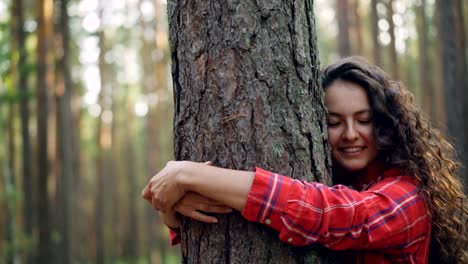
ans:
x=406 y=139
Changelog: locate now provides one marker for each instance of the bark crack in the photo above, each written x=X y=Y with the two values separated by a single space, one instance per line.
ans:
x=313 y=164
x=228 y=239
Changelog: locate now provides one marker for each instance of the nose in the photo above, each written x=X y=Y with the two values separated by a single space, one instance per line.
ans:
x=350 y=133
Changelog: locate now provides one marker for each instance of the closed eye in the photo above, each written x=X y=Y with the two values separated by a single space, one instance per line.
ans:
x=365 y=122
x=333 y=124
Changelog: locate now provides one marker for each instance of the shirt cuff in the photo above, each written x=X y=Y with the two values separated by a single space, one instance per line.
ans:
x=174 y=235
x=267 y=198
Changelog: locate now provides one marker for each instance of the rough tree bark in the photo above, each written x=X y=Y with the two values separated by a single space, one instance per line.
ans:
x=247 y=93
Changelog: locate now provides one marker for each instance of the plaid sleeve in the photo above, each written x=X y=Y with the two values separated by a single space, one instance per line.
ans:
x=174 y=236
x=391 y=215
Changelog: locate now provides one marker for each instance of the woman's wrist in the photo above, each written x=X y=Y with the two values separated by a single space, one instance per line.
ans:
x=171 y=219
x=231 y=187
x=183 y=176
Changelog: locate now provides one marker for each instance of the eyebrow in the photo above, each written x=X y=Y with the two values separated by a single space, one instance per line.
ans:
x=356 y=113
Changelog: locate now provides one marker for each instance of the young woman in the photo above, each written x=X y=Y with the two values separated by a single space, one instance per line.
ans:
x=396 y=198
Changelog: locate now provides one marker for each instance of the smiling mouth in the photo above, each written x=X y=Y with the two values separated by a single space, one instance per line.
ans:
x=352 y=149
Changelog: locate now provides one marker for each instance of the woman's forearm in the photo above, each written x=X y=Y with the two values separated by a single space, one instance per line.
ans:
x=231 y=187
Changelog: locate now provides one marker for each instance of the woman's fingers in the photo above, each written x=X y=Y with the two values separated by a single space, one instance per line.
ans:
x=208 y=163
x=210 y=208
x=164 y=189
x=202 y=203
x=154 y=204
x=146 y=193
x=202 y=218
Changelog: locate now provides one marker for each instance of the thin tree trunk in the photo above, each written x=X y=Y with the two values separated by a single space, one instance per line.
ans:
x=391 y=31
x=101 y=162
x=65 y=151
x=105 y=225
x=425 y=65
x=344 y=42
x=155 y=77
x=11 y=255
x=10 y=168
x=44 y=86
x=11 y=238
x=79 y=227
x=375 y=34
x=438 y=75
x=462 y=71
x=27 y=182
x=454 y=75
x=357 y=29
x=152 y=146
x=246 y=87
x=130 y=247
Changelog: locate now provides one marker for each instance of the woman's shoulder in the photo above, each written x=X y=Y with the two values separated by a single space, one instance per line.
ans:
x=396 y=182
x=399 y=193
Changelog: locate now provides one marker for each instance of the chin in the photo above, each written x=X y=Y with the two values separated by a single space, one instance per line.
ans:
x=352 y=167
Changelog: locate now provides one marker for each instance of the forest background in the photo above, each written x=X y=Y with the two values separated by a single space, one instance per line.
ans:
x=86 y=111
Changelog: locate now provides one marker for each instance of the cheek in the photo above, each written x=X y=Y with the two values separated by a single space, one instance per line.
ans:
x=333 y=137
x=368 y=134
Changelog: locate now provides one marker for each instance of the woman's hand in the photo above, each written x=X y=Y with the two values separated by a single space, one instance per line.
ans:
x=230 y=187
x=194 y=205
x=164 y=188
x=171 y=219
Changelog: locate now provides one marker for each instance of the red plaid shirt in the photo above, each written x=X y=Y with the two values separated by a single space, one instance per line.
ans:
x=386 y=222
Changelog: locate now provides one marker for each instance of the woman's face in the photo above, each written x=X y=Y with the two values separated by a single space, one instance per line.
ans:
x=350 y=125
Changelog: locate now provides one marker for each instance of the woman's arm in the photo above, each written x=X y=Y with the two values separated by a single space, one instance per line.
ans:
x=389 y=216
x=230 y=187
x=194 y=206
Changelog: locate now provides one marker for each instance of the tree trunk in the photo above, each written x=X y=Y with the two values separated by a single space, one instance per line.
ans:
x=154 y=85
x=454 y=82
x=344 y=42
x=391 y=31
x=425 y=65
x=130 y=246
x=358 y=40
x=11 y=253
x=65 y=151
x=437 y=72
x=22 y=81
x=462 y=71
x=462 y=74
x=247 y=93
x=101 y=161
x=375 y=34
x=44 y=86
